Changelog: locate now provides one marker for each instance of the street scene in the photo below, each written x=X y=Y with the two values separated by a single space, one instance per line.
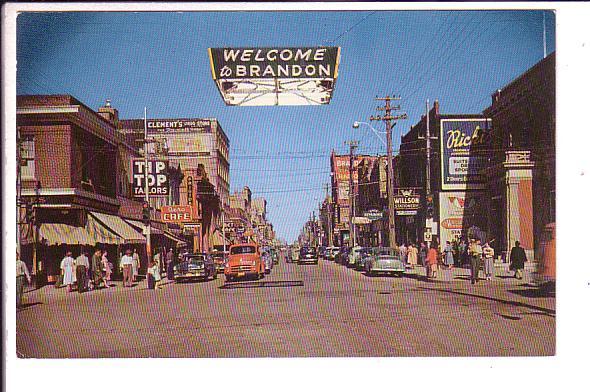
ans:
x=285 y=184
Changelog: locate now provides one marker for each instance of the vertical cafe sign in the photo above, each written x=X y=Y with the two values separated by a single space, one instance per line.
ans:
x=464 y=151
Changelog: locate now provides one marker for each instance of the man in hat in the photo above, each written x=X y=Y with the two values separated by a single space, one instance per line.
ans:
x=127 y=265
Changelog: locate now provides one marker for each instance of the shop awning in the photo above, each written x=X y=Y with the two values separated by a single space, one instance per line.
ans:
x=91 y=234
x=154 y=230
x=120 y=228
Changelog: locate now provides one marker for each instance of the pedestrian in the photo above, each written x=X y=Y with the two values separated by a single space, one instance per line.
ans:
x=463 y=257
x=432 y=261
x=135 y=265
x=403 y=252
x=106 y=269
x=475 y=252
x=488 y=261
x=448 y=253
x=67 y=266
x=517 y=260
x=127 y=266
x=82 y=266
x=22 y=275
x=170 y=264
x=158 y=258
x=412 y=256
x=97 y=274
x=154 y=274
x=422 y=253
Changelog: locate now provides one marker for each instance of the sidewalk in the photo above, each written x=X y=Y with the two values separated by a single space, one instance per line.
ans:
x=458 y=274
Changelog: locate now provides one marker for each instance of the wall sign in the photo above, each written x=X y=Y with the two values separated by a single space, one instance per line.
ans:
x=157 y=178
x=464 y=146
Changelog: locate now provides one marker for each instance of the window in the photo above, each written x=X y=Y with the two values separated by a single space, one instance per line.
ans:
x=28 y=157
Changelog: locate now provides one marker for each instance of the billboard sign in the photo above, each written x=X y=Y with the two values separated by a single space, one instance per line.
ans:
x=157 y=178
x=275 y=76
x=406 y=201
x=194 y=125
x=177 y=214
x=271 y=63
x=461 y=213
x=464 y=151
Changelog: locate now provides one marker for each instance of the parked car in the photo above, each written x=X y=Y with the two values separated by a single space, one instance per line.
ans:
x=195 y=266
x=219 y=258
x=268 y=262
x=294 y=254
x=364 y=255
x=385 y=260
x=308 y=254
x=354 y=256
x=332 y=252
x=342 y=257
x=244 y=260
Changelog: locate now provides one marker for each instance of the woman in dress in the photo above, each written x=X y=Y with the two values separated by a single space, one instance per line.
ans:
x=412 y=256
x=106 y=268
x=67 y=269
x=448 y=252
x=432 y=261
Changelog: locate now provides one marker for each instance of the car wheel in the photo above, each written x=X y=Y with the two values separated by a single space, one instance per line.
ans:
x=228 y=278
x=370 y=273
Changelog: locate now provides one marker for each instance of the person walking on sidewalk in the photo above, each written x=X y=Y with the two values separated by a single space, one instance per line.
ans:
x=135 y=265
x=97 y=276
x=448 y=253
x=106 y=269
x=488 y=261
x=127 y=266
x=412 y=256
x=403 y=252
x=432 y=262
x=82 y=266
x=422 y=254
x=154 y=273
x=22 y=275
x=475 y=252
x=517 y=260
x=170 y=264
x=67 y=266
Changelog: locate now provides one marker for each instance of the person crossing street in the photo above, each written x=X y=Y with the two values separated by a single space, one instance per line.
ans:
x=82 y=266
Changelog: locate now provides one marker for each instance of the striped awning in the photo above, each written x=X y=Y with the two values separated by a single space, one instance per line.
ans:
x=154 y=230
x=91 y=234
x=120 y=228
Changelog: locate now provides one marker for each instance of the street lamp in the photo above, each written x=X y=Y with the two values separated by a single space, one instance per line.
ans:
x=377 y=133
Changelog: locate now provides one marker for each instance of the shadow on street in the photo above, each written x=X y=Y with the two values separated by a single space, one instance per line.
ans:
x=29 y=305
x=278 y=283
x=548 y=312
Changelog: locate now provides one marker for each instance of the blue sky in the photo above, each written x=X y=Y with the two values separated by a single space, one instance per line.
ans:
x=159 y=60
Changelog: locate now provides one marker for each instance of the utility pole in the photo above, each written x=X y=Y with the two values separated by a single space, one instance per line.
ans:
x=388 y=118
x=148 y=244
x=427 y=188
x=329 y=199
x=353 y=144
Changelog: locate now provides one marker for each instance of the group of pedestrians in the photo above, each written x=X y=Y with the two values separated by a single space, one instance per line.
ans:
x=83 y=274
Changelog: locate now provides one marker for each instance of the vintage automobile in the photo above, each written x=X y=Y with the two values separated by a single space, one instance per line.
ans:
x=308 y=254
x=268 y=261
x=244 y=260
x=195 y=266
x=332 y=252
x=294 y=254
x=342 y=257
x=364 y=255
x=354 y=256
x=219 y=258
x=385 y=260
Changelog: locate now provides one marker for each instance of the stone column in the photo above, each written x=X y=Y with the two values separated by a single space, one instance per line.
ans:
x=518 y=174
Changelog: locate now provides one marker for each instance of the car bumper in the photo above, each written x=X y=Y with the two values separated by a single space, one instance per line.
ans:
x=306 y=260
x=191 y=274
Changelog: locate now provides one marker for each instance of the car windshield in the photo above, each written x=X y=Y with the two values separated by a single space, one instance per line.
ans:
x=386 y=252
x=238 y=250
x=307 y=251
x=195 y=258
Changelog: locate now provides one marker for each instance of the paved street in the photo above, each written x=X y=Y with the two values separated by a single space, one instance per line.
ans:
x=297 y=311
